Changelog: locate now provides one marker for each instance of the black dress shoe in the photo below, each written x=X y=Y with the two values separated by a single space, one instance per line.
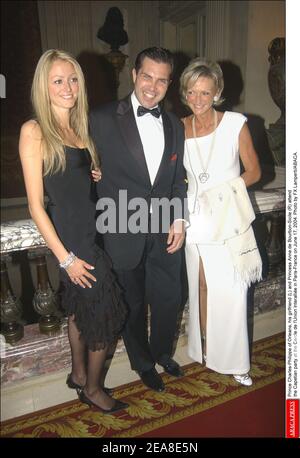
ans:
x=152 y=379
x=118 y=405
x=173 y=368
x=78 y=388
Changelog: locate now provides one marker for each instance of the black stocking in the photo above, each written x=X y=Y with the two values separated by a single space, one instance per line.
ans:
x=78 y=353
x=96 y=362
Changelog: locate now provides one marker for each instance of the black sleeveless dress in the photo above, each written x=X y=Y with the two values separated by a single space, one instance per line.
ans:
x=99 y=311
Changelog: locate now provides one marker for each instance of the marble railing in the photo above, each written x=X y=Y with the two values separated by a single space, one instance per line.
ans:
x=269 y=205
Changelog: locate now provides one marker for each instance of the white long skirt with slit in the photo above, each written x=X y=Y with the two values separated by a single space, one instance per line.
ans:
x=227 y=347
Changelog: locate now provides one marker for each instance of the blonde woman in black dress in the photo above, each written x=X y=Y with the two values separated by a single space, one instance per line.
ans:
x=57 y=153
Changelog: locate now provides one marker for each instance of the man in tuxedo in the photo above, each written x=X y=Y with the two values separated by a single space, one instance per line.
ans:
x=141 y=152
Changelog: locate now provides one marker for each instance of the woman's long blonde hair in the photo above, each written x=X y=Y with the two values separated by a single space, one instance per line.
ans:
x=52 y=136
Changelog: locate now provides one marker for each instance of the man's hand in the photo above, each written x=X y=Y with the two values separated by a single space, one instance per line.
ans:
x=176 y=236
x=96 y=175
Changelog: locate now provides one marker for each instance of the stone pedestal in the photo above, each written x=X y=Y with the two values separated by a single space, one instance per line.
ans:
x=269 y=294
x=38 y=354
x=35 y=354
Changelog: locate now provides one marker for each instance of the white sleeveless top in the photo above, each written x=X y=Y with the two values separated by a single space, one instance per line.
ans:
x=224 y=163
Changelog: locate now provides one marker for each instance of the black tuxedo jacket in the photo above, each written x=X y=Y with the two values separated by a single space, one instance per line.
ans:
x=116 y=136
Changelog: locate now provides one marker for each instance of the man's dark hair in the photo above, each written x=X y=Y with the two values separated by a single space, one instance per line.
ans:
x=160 y=55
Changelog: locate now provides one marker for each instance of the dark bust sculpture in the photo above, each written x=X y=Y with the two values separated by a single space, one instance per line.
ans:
x=276 y=80
x=112 y=32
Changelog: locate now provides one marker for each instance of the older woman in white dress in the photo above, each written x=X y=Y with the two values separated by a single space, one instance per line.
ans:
x=221 y=252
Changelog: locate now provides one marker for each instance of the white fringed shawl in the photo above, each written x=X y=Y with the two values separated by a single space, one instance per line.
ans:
x=223 y=216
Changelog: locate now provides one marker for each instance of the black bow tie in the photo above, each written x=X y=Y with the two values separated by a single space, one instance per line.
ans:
x=142 y=110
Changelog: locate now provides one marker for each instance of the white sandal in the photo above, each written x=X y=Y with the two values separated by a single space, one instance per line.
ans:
x=243 y=379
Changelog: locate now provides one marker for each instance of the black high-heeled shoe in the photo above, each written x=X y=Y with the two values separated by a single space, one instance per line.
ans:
x=78 y=388
x=119 y=405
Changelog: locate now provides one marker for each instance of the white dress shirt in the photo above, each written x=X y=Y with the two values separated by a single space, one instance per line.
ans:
x=151 y=132
x=152 y=136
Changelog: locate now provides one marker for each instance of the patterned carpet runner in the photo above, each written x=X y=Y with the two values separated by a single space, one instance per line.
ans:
x=199 y=390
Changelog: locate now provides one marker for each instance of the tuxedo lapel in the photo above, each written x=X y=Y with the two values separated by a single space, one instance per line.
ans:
x=168 y=146
x=131 y=137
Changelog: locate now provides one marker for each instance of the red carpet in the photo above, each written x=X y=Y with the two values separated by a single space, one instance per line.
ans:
x=256 y=414
x=200 y=404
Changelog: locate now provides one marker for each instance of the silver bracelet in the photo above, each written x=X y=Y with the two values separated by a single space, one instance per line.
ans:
x=68 y=261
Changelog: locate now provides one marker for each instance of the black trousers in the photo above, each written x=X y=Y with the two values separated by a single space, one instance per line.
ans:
x=155 y=281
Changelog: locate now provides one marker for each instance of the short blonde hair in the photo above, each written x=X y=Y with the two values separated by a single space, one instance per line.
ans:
x=52 y=137
x=200 y=67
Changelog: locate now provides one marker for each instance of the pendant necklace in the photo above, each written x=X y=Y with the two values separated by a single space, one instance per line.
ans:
x=204 y=176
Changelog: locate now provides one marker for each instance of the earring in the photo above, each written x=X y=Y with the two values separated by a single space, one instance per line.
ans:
x=216 y=98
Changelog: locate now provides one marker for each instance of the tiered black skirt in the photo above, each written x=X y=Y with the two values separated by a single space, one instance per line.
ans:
x=100 y=312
